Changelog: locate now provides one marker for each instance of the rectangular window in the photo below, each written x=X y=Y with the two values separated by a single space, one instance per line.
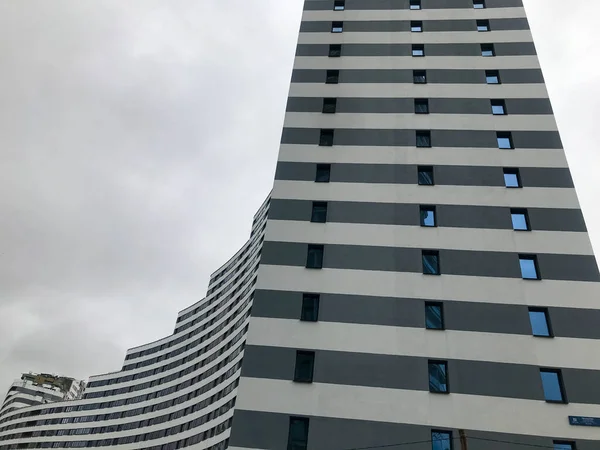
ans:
x=552 y=383
x=478 y=4
x=434 y=316
x=498 y=107
x=505 y=140
x=492 y=77
x=427 y=216
x=438 y=377
x=564 y=445
x=329 y=105
x=421 y=106
x=332 y=77
x=418 y=50
x=339 y=5
x=540 y=322
x=323 y=173
x=314 y=258
x=520 y=219
x=423 y=138
x=431 y=262
x=310 y=308
x=419 y=76
x=415 y=4
x=425 y=176
x=337 y=27
x=326 y=138
x=529 y=267
x=335 y=50
x=441 y=440
x=483 y=25
x=416 y=26
x=305 y=362
x=298 y=433
x=488 y=50
x=319 y=212
x=512 y=179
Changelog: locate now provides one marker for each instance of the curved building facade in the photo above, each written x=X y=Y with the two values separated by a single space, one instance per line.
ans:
x=173 y=393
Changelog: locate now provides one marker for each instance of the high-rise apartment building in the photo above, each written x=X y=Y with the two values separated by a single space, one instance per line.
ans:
x=421 y=271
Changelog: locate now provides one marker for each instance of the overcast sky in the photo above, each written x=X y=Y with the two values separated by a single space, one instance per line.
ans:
x=137 y=139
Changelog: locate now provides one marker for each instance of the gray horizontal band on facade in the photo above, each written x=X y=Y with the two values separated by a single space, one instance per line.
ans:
x=408 y=174
x=434 y=76
x=484 y=378
x=452 y=262
x=349 y=50
x=410 y=312
x=269 y=430
x=42 y=394
x=449 y=25
x=519 y=106
x=439 y=138
x=325 y=5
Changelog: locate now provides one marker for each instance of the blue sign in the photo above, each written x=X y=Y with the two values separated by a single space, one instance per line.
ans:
x=584 y=421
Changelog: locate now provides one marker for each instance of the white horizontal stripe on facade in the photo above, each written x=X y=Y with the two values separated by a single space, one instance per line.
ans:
x=425 y=37
x=419 y=342
x=450 y=156
x=422 y=14
x=460 y=288
x=473 y=239
x=409 y=90
x=411 y=121
x=410 y=62
x=415 y=194
x=454 y=411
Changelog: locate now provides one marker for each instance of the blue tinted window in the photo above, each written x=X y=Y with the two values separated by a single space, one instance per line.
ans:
x=564 y=446
x=519 y=221
x=504 y=141
x=498 y=109
x=539 y=322
x=431 y=263
x=492 y=77
x=528 y=268
x=434 y=316
x=511 y=179
x=425 y=176
x=427 y=216
x=551 y=384
x=441 y=440
x=438 y=376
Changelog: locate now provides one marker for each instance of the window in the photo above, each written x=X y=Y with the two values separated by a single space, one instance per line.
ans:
x=488 y=50
x=319 y=212
x=314 y=258
x=529 y=267
x=298 y=433
x=329 y=105
x=423 y=138
x=418 y=50
x=427 y=216
x=431 y=262
x=310 y=308
x=552 y=384
x=332 y=77
x=305 y=362
x=512 y=179
x=421 y=106
x=425 y=176
x=326 y=138
x=337 y=27
x=323 y=173
x=483 y=25
x=492 y=77
x=434 y=316
x=415 y=4
x=416 y=26
x=438 y=377
x=564 y=445
x=335 y=50
x=498 y=107
x=441 y=440
x=419 y=76
x=504 y=139
x=339 y=5
x=520 y=219
x=540 y=322
x=478 y=4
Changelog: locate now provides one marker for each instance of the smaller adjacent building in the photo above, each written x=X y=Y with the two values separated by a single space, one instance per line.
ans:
x=41 y=388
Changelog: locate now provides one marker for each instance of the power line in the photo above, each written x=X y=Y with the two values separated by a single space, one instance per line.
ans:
x=511 y=443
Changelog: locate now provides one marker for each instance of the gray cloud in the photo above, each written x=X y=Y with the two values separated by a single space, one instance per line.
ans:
x=138 y=138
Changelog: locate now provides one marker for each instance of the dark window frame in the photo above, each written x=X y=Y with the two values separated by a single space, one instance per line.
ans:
x=425 y=169
x=417 y=48
x=326 y=137
x=428 y=208
x=512 y=171
x=329 y=105
x=298 y=445
x=321 y=171
x=319 y=248
x=505 y=135
x=416 y=26
x=299 y=376
x=332 y=76
x=488 y=48
x=421 y=105
x=525 y=213
x=309 y=311
x=439 y=305
x=418 y=75
x=337 y=25
x=335 y=50
x=561 y=385
x=446 y=432
x=423 y=138
x=427 y=253
x=479 y=4
x=493 y=73
x=438 y=362
x=319 y=212
x=546 y=314
x=415 y=5
x=339 y=5
x=498 y=102
x=483 y=25
x=572 y=444
x=533 y=258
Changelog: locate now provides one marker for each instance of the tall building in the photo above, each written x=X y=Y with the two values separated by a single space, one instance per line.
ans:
x=421 y=271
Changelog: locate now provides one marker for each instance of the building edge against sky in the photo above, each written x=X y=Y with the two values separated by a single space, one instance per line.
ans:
x=424 y=268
